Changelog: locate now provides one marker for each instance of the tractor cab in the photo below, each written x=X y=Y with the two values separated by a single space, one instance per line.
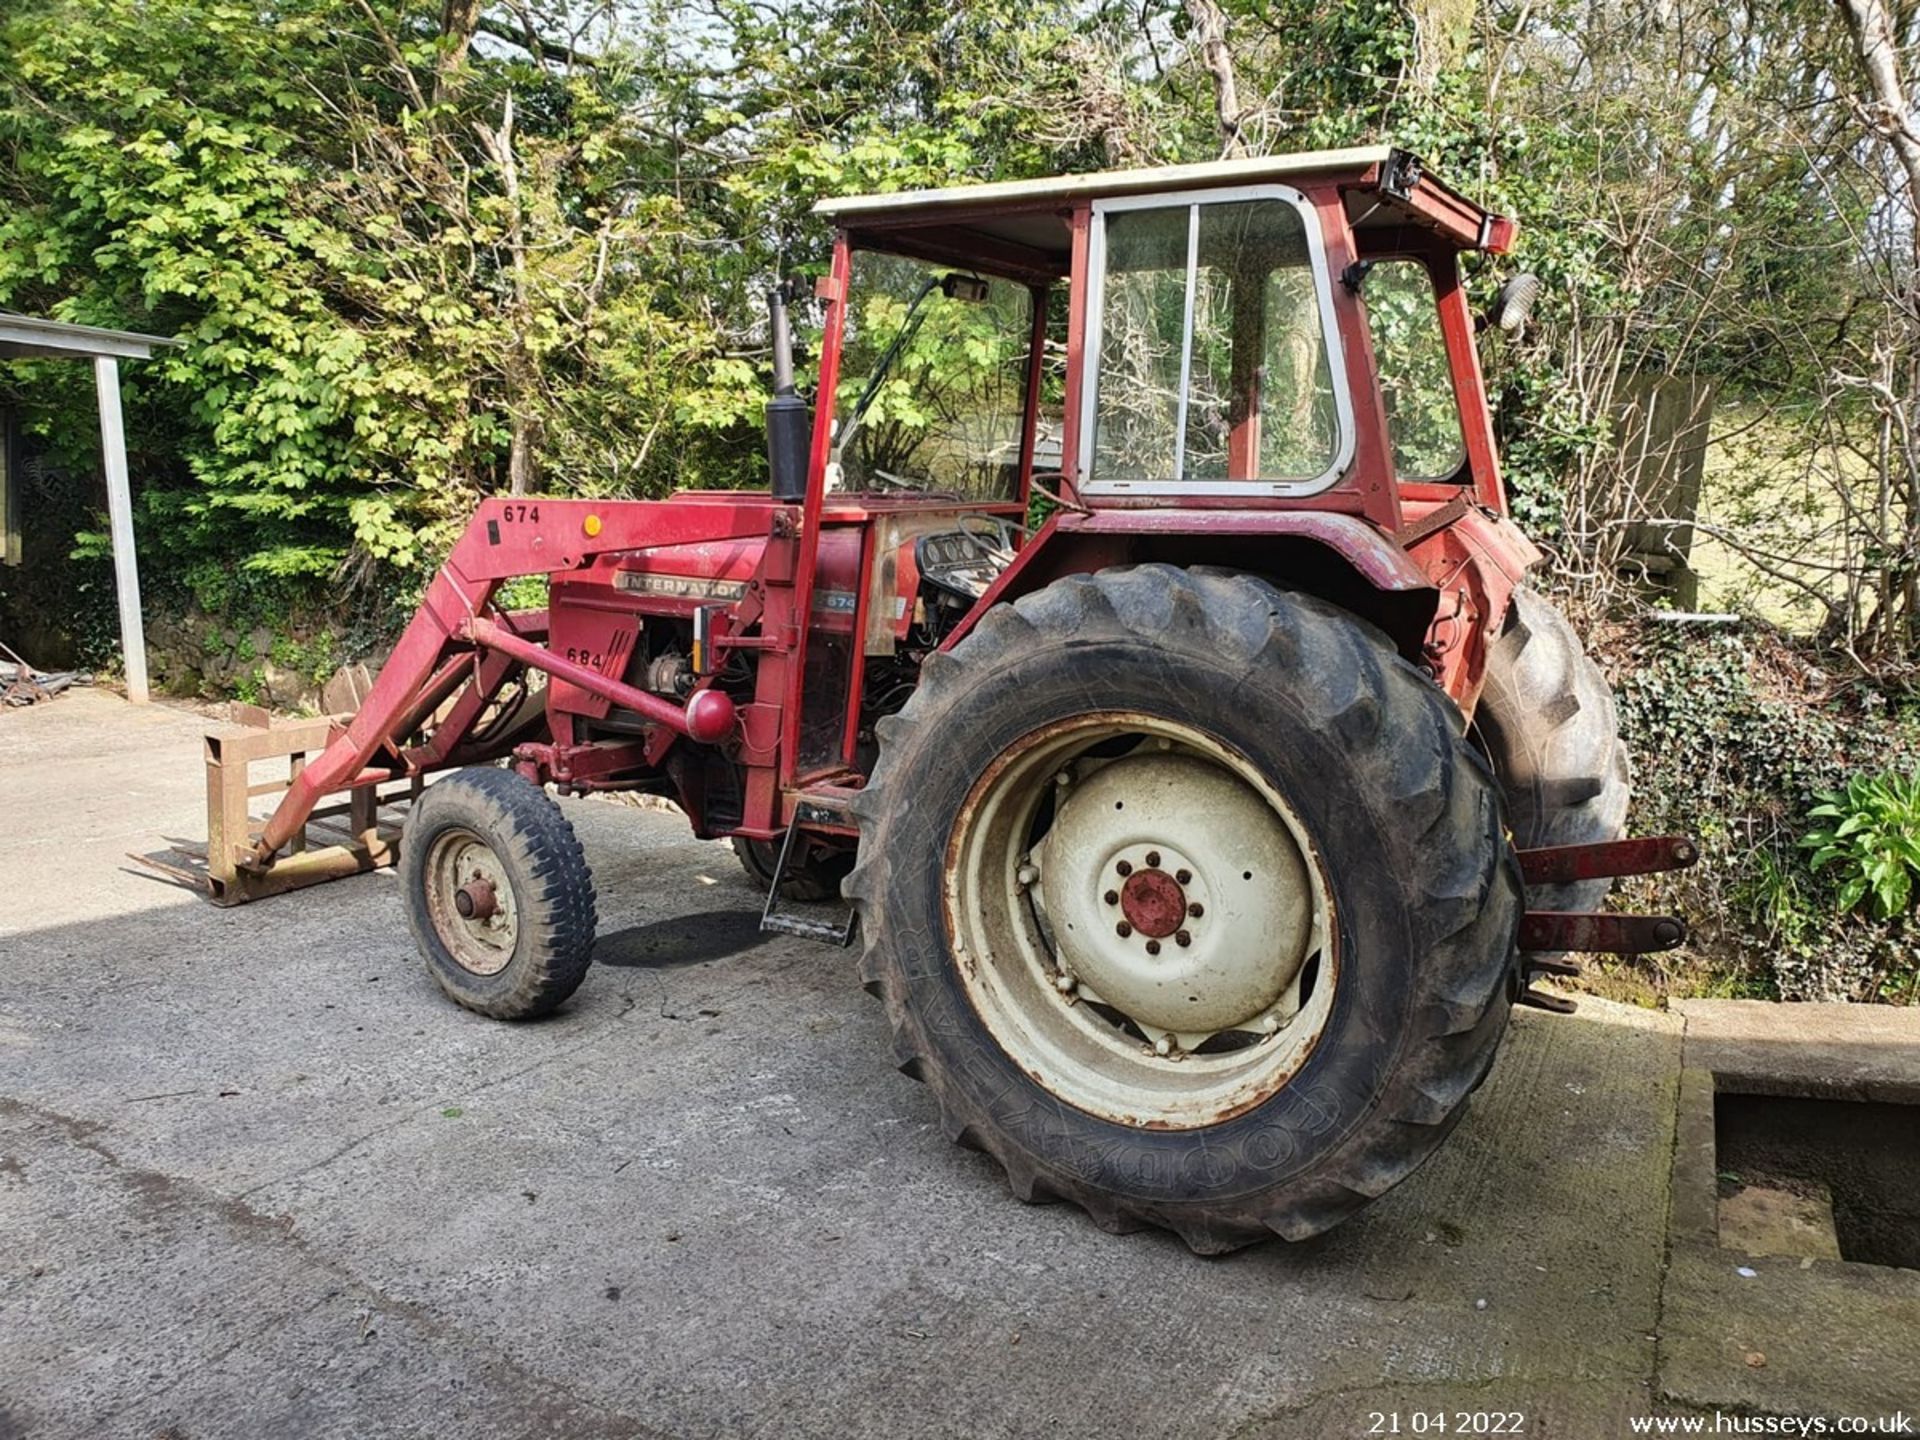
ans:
x=1267 y=363
x=1289 y=331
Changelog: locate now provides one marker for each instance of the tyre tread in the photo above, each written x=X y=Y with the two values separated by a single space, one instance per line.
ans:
x=1547 y=720
x=558 y=908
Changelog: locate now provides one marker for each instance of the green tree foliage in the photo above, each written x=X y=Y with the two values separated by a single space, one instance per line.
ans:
x=421 y=253
x=402 y=282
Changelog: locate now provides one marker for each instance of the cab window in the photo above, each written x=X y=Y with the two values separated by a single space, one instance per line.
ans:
x=1213 y=360
x=1410 y=351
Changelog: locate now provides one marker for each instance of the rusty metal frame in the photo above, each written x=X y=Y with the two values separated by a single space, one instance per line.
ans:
x=1604 y=859
x=1555 y=930
x=356 y=837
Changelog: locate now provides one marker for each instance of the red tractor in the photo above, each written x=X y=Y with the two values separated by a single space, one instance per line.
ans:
x=1199 y=841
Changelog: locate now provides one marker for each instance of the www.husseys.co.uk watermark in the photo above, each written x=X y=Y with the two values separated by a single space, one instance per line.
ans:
x=1804 y=1426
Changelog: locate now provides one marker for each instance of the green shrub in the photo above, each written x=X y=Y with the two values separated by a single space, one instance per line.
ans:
x=1738 y=736
x=1874 y=840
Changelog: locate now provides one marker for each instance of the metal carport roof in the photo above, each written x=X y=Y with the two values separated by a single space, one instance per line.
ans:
x=23 y=337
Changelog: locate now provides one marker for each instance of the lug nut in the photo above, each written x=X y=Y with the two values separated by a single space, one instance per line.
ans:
x=1163 y=1046
x=1028 y=874
x=1182 y=939
x=1124 y=867
x=1153 y=859
x=1153 y=947
x=1112 y=897
x=1064 y=983
x=1123 y=929
x=1196 y=910
x=1183 y=876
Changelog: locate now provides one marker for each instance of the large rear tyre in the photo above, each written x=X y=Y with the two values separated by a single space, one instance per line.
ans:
x=1546 y=720
x=1189 y=901
x=498 y=894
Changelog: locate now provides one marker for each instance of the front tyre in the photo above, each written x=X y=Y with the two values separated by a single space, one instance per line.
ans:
x=1189 y=902
x=498 y=894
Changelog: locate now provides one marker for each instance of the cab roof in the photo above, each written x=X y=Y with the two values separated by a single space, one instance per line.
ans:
x=852 y=209
x=1017 y=228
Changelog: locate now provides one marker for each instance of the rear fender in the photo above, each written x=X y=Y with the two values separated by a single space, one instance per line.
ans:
x=1340 y=558
x=1476 y=560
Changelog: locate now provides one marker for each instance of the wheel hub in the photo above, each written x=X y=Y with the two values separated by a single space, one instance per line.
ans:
x=1153 y=903
x=1176 y=895
x=475 y=901
x=471 y=902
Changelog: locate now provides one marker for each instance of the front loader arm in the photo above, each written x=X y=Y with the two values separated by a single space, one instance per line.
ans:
x=455 y=637
x=396 y=699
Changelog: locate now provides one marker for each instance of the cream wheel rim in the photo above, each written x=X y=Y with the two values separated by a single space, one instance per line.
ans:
x=1140 y=920
x=471 y=902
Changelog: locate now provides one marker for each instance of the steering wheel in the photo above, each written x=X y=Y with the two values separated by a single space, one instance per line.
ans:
x=993 y=536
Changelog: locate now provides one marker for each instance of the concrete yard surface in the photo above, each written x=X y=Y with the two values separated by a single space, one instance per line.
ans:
x=258 y=1178
x=1762 y=1311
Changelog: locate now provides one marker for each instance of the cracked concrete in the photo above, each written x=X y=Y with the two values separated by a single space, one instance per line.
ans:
x=258 y=1178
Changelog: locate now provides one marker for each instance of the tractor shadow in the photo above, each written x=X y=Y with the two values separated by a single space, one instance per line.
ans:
x=681 y=940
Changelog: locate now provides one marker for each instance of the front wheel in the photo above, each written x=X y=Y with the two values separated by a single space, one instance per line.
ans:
x=1189 y=900
x=498 y=894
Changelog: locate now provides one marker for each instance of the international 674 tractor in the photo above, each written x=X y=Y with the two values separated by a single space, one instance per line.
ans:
x=1198 y=842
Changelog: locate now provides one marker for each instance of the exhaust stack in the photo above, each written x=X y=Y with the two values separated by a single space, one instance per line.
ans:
x=789 y=424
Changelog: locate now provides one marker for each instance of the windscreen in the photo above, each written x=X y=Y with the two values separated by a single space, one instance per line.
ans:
x=945 y=414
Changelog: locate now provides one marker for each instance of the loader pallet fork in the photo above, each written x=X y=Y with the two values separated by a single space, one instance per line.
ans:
x=1200 y=841
x=352 y=835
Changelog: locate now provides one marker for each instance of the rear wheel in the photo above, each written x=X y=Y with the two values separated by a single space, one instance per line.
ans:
x=1189 y=901
x=809 y=877
x=498 y=894
x=1546 y=720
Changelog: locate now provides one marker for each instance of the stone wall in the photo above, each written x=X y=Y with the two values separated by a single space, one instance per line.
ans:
x=203 y=655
